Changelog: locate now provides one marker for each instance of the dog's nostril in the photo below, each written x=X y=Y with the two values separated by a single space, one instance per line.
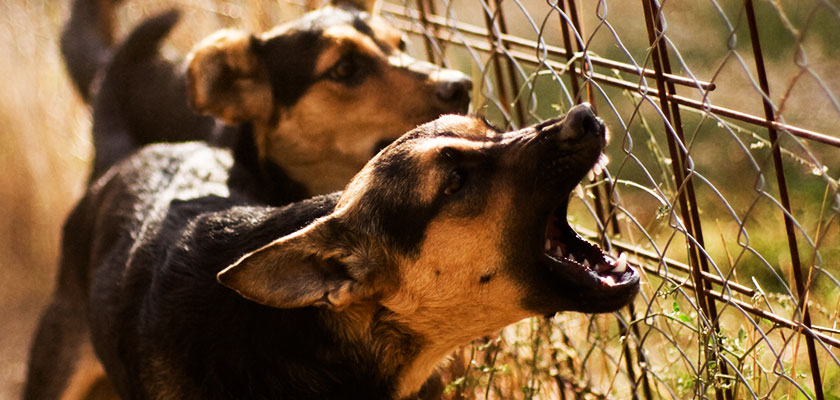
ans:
x=590 y=124
x=582 y=120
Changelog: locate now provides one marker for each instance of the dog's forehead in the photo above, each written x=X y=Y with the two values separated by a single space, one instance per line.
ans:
x=340 y=22
x=453 y=131
x=459 y=126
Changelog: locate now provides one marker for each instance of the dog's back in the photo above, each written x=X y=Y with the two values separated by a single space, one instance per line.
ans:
x=151 y=233
x=171 y=221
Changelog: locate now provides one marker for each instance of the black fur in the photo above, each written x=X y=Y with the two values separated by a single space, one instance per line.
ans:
x=157 y=241
x=149 y=95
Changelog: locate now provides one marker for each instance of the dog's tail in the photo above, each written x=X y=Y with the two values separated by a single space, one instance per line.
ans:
x=87 y=41
x=114 y=134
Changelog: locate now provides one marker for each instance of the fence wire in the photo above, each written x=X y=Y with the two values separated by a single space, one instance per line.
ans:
x=722 y=184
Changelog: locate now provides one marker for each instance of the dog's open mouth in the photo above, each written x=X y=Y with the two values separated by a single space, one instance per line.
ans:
x=570 y=254
x=565 y=250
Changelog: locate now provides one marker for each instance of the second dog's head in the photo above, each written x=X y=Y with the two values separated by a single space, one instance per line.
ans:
x=323 y=93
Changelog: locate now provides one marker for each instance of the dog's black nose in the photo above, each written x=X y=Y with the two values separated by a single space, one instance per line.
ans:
x=578 y=123
x=453 y=87
x=582 y=120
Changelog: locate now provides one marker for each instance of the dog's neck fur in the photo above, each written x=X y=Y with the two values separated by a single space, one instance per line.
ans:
x=273 y=185
x=406 y=359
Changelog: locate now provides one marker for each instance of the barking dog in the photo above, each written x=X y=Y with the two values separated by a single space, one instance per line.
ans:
x=450 y=233
x=311 y=100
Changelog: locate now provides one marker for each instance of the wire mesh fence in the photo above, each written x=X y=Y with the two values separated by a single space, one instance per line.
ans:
x=722 y=184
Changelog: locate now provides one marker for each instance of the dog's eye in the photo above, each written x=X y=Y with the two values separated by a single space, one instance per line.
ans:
x=403 y=44
x=345 y=69
x=455 y=181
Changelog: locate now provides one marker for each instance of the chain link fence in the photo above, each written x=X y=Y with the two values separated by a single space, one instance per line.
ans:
x=722 y=183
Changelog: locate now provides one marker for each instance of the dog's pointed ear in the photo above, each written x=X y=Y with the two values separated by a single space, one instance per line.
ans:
x=322 y=264
x=227 y=80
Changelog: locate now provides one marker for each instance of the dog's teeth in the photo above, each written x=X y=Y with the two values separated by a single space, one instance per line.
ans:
x=597 y=169
x=558 y=252
x=620 y=264
x=572 y=258
x=586 y=264
x=603 y=161
x=591 y=174
x=609 y=280
x=547 y=244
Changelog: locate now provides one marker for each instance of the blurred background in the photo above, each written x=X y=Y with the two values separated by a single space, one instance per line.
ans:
x=44 y=154
x=663 y=342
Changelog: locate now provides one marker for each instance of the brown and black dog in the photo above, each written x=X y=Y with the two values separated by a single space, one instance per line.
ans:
x=309 y=101
x=188 y=289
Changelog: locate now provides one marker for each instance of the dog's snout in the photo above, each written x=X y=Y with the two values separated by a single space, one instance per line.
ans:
x=578 y=123
x=454 y=90
x=581 y=121
x=452 y=87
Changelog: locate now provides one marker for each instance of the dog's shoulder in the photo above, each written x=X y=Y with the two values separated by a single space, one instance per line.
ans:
x=166 y=221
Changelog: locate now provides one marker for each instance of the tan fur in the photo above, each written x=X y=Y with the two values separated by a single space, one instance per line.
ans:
x=441 y=299
x=87 y=373
x=464 y=127
x=305 y=141
x=251 y=96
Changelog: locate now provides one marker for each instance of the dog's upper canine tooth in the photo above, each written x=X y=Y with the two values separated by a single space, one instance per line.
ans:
x=558 y=252
x=547 y=244
x=586 y=264
x=603 y=161
x=620 y=264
